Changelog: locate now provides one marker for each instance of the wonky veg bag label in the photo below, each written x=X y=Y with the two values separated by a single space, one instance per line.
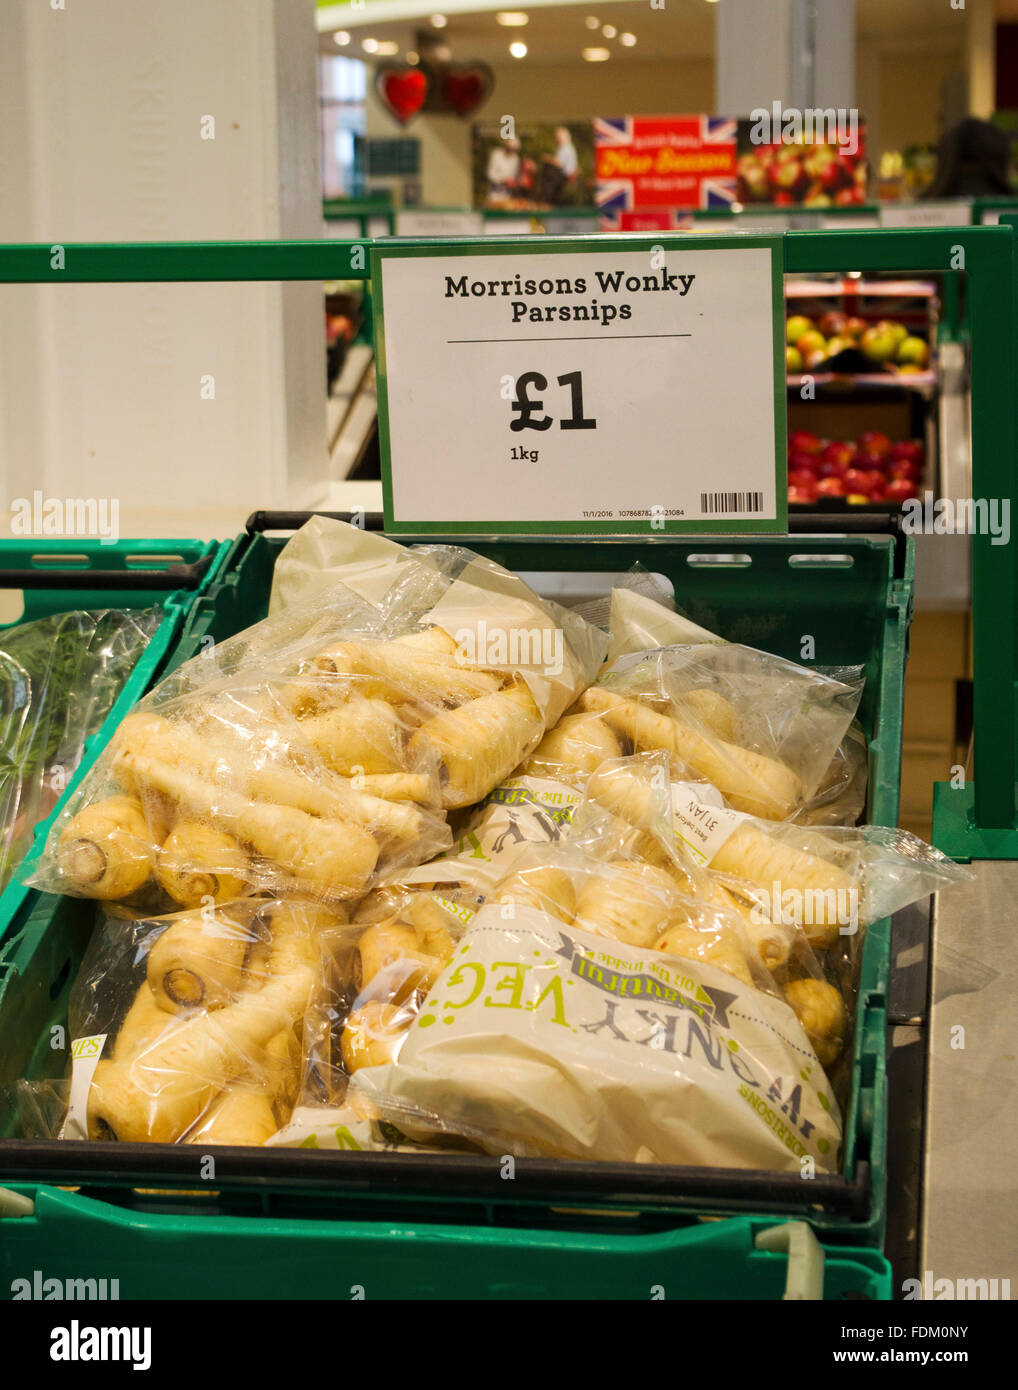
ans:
x=539 y=1038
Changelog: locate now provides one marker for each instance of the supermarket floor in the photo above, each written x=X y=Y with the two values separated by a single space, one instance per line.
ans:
x=968 y=1212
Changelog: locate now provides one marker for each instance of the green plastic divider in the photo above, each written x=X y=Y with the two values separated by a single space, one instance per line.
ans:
x=149 y=560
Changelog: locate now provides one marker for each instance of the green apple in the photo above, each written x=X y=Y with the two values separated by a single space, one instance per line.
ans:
x=793 y=359
x=913 y=351
x=796 y=326
x=878 y=343
x=811 y=341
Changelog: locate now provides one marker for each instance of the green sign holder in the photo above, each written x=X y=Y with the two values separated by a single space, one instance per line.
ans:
x=974 y=820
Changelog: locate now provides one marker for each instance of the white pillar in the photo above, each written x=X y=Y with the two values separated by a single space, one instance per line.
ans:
x=102 y=117
x=798 y=52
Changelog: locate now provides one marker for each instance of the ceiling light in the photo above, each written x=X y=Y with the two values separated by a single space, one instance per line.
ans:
x=438 y=21
x=386 y=48
x=512 y=19
x=627 y=40
x=596 y=55
x=341 y=37
x=592 y=23
x=441 y=52
x=609 y=31
x=369 y=45
x=413 y=58
x=518 y=50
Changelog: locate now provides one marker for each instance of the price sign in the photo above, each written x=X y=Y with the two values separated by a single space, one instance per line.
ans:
x=608 y=385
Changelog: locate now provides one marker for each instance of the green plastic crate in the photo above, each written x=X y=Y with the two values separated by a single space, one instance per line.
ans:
x=153 y=1256
x=769 y=593
x=56 y=576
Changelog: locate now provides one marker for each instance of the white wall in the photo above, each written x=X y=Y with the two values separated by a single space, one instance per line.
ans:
x=100 y=139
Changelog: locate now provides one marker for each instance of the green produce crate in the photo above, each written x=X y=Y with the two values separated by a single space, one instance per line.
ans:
x=771 y=593
x=154 y=1255
x=56 y=576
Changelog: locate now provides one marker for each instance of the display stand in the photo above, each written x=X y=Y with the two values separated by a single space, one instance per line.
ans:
x=855 y=1211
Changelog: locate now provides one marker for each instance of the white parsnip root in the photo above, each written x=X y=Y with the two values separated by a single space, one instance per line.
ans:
x=105 y=851
x=748 y=781
x=479 y=743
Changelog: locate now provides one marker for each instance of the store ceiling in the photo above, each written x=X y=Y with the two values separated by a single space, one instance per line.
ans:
x=559 y=33
x=554 y=34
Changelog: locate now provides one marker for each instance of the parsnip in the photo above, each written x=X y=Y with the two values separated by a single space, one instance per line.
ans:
x=715 y=946
x=333 y=855
x=431 y=639
x=143 y=1023
x=162 y=1091
x=273 y=779
x=579 y=742
x=410 y=674
x=712 y=709
x=197 y=862
x=362 y=736
x=246 y=1112
x=820 y=1009
x=413 y=957
x=753 y=855
x=197 y=962
x=632 y=902
x=479 y=743
x=397 y=786
x=544 y=887
x=373 y=1034
x=748 y=781
x=241 y=1114
x=105 y=851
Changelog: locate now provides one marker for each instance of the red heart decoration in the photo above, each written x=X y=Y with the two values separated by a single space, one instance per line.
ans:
x=403 y=90
x=466 y=86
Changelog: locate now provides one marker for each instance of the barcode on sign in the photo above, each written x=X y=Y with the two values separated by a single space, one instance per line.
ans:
x=731 y=501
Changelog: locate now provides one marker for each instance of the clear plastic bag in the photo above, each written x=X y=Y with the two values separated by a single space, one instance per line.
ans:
x=762 y=729
x=321 y=750
x=59 y=678
x=188 y=1028
x=551 y=1032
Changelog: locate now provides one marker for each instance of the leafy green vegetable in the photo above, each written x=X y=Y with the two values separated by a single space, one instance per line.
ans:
x=59 y=678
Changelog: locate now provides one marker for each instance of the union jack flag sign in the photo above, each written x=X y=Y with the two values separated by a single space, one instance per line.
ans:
x=664 y=162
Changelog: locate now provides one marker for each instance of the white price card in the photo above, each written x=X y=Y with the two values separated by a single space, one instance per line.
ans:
x=602 y=385
x=933 y=214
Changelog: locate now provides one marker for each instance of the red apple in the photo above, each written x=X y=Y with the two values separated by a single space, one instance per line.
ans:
x=875 y=441
x=801 y=462
x=797 y=478
x=833 y=324
x=828 y=468
x=906 y=468
x=871 y=461
x=831 y=487
x=855 y=327
x=804 y=440
x=875 y=481
x=838 y=451
x=858 y=480
x=900 y=489
x=801 y=497
x=911 y=449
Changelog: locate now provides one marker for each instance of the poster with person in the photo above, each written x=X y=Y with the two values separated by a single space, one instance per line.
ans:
x=532 y=168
